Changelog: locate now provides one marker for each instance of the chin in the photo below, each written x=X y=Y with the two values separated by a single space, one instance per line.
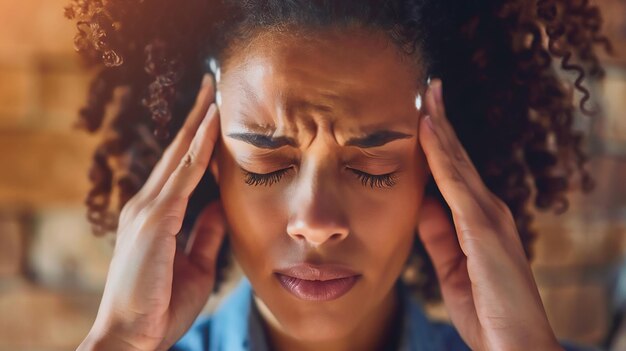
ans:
x=318 y=328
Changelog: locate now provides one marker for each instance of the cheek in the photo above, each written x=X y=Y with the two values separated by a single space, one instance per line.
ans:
x=391 y=209
x=387 y=227
x=386 y=223
x=256 y=218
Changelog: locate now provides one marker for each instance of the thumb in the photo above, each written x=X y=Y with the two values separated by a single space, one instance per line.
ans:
x=194 y=269
x=440 y=240
x=441 y=243
x=206 y=237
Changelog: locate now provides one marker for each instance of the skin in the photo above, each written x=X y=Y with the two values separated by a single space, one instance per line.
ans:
x=319 y=211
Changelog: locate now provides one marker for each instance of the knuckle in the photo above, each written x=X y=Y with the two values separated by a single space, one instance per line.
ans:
x=455 y=176
x=504 y=209
x=499 y=203
x=189 y=159
x=129 y=209
x=170 y=199
x=460 y=157
x=161 y=219
x=128 y=206
x=124 y=214
x=440 y=144
x=508 y=213
x=145 y=213
x=136 y=223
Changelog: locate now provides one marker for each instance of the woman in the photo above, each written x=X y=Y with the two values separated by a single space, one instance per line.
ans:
x=328 y=150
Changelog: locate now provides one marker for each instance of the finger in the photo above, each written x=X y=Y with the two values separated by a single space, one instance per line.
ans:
x=434 y=103
x=450 y=181
x=439 y=236
x=440 y=240
x=194 y=163
x=206 y=237
x=432 y=109
x=475 y=211
x=175 y=151
x=195 y=267
x=457 y=179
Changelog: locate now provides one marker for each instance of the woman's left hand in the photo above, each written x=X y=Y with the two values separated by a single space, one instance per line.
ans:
x=486 y=281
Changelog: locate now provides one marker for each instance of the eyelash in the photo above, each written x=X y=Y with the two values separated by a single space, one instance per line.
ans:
x=380 y=181
x=264 y=179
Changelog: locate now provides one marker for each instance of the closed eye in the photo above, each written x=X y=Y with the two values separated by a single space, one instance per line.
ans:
x=380 y=181
x=267 y=179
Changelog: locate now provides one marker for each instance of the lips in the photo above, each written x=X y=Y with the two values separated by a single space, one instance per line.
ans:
x=317 y=282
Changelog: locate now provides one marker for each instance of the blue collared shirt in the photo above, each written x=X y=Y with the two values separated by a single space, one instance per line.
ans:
x=236 y=326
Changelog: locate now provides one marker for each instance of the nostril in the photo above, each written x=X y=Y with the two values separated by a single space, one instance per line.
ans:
x=318 y=239
x=298 y=236
x=335 y=236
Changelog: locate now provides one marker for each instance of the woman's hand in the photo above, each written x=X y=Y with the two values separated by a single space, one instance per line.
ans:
x=486 y=281
x=154 y=290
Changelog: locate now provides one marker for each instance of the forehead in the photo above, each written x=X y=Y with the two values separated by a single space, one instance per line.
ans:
x=347 y=78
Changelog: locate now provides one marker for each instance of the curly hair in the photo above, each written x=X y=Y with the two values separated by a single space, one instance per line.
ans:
x=501 y=61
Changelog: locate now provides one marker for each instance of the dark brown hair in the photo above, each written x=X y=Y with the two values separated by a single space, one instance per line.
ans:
x=504 y=95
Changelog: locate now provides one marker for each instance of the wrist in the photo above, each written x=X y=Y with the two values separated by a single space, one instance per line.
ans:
x=103 y=341
x=116 y=334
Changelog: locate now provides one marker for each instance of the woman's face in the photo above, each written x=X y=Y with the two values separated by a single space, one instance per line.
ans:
x=322 y=111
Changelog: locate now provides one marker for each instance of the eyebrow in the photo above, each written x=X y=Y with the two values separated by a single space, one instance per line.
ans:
x=374 y=139
x=377 y=138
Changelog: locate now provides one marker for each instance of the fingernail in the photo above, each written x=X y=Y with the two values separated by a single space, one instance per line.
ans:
x=206 y=79
x=438 y=92
x=429 y=122
x=209 y=114
x=212 y=109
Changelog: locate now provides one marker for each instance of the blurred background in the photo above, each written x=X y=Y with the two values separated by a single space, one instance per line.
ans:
x=52 y=269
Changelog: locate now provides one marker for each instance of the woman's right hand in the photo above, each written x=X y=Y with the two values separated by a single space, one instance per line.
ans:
x=154 y=290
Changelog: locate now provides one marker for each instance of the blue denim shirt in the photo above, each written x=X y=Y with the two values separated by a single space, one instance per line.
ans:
x=236 y=326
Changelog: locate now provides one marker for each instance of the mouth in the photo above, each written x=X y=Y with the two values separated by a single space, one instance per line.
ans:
x=317 y=282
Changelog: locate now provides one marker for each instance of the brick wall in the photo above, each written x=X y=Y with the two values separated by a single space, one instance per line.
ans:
x=52 y=270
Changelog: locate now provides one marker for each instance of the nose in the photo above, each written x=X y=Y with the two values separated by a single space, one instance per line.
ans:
x=317 y=215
